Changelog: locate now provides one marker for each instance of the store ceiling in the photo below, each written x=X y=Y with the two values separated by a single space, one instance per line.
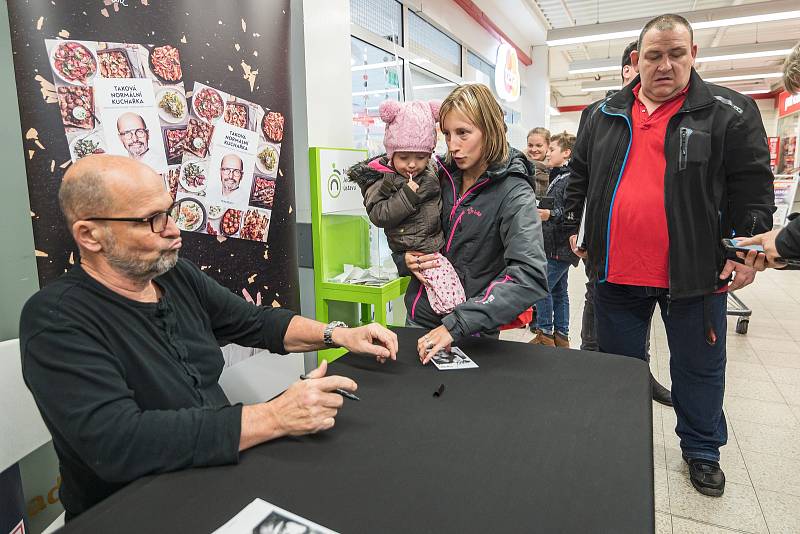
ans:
x=566 y=88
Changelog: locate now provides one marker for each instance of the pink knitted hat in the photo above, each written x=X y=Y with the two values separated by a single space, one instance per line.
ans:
x=410 y=126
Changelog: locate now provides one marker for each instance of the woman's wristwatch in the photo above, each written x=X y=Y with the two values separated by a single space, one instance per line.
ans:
x=327 y=335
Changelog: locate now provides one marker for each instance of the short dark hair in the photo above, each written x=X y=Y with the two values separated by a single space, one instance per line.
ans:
x=665 y=22
x=626 y=55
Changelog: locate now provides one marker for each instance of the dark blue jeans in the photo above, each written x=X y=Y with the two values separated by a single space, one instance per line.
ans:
x=552 y=311
x=697 y=367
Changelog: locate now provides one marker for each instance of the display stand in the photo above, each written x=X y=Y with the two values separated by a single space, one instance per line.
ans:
x=340 y=232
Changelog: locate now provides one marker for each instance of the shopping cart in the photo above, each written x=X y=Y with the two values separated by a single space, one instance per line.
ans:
x=737 y=308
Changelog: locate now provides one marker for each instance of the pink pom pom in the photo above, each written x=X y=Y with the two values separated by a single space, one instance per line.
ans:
x=435 y=106
x=389 y=110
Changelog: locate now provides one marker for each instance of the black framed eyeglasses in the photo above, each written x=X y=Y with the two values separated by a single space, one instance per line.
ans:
x=158 y=221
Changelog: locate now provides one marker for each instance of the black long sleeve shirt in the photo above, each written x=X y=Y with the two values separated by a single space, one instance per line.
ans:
x=129 y=389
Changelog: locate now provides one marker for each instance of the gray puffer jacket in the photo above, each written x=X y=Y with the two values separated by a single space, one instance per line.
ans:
x=411 y=220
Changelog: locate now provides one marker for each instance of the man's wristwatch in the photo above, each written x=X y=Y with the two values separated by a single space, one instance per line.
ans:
x=327 y=335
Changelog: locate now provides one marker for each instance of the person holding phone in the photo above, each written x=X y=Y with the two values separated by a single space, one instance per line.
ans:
x=782 y=243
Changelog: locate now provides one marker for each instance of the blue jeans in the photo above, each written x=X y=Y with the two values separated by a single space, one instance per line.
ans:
x=553 y=310
x=696 y=365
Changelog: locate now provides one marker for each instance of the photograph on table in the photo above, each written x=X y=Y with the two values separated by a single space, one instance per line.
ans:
x=280 y=523
x=454 y=359
x=120 y=98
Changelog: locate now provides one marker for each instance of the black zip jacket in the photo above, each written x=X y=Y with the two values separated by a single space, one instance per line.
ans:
x=555 y=233
x=493 y=239
x=717 y=181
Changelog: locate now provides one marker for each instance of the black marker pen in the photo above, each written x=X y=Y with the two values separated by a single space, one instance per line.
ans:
x=343 y=392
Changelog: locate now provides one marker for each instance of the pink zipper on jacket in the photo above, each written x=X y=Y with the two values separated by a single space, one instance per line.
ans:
x=505 y=279
x=414 y=306
x=457 y=201
x=453 y=231
x=449 y=176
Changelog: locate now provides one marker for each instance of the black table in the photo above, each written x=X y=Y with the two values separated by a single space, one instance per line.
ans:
x=535 y=440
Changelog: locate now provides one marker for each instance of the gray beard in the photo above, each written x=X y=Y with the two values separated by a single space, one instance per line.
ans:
x=135 y=268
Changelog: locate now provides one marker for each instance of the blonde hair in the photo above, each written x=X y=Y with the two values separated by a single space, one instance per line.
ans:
x=791 y=70
x=544 y=132
x=476 y=103
x=564 y=139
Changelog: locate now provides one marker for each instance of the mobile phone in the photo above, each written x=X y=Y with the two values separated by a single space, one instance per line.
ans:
x=733 y=244
x=732 y=247
x=547 y=203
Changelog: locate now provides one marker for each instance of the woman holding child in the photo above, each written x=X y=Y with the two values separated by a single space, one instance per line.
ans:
x=491 y=239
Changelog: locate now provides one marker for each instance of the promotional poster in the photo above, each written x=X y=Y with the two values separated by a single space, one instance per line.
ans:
x=200 y=92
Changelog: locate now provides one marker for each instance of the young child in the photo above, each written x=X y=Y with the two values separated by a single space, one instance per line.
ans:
x=403 y=196
x=552 y=312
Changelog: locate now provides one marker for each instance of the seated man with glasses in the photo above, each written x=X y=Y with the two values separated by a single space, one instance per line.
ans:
x=230 y=174
x=122 y=353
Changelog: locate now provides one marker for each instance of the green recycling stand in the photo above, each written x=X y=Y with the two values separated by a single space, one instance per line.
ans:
x=339 y=239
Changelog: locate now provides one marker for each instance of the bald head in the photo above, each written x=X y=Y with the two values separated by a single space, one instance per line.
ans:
x=231 y=161
x=96 y=185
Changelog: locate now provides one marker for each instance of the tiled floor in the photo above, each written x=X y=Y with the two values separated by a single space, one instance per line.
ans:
x=762 y=406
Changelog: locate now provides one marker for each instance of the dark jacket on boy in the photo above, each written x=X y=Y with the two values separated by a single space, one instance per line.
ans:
x=556 y=234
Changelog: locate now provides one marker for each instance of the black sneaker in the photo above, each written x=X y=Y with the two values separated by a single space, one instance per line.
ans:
x=660 y=394
x=707 y=476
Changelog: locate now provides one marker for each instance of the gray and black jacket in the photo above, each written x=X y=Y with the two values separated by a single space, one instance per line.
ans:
x=493 y=238
x=717 y=181
x=411 y=220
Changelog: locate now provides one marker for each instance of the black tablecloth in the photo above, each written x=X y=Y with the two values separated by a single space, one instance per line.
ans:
x=535 y=440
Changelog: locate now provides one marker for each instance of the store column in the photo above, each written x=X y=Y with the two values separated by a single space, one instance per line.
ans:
x=322 y=104
x=536 y=79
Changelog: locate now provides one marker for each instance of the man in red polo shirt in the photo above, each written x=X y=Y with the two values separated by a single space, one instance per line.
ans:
x=668 y=167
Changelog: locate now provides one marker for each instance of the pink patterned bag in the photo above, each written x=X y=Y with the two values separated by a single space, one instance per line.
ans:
x=444 y=288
